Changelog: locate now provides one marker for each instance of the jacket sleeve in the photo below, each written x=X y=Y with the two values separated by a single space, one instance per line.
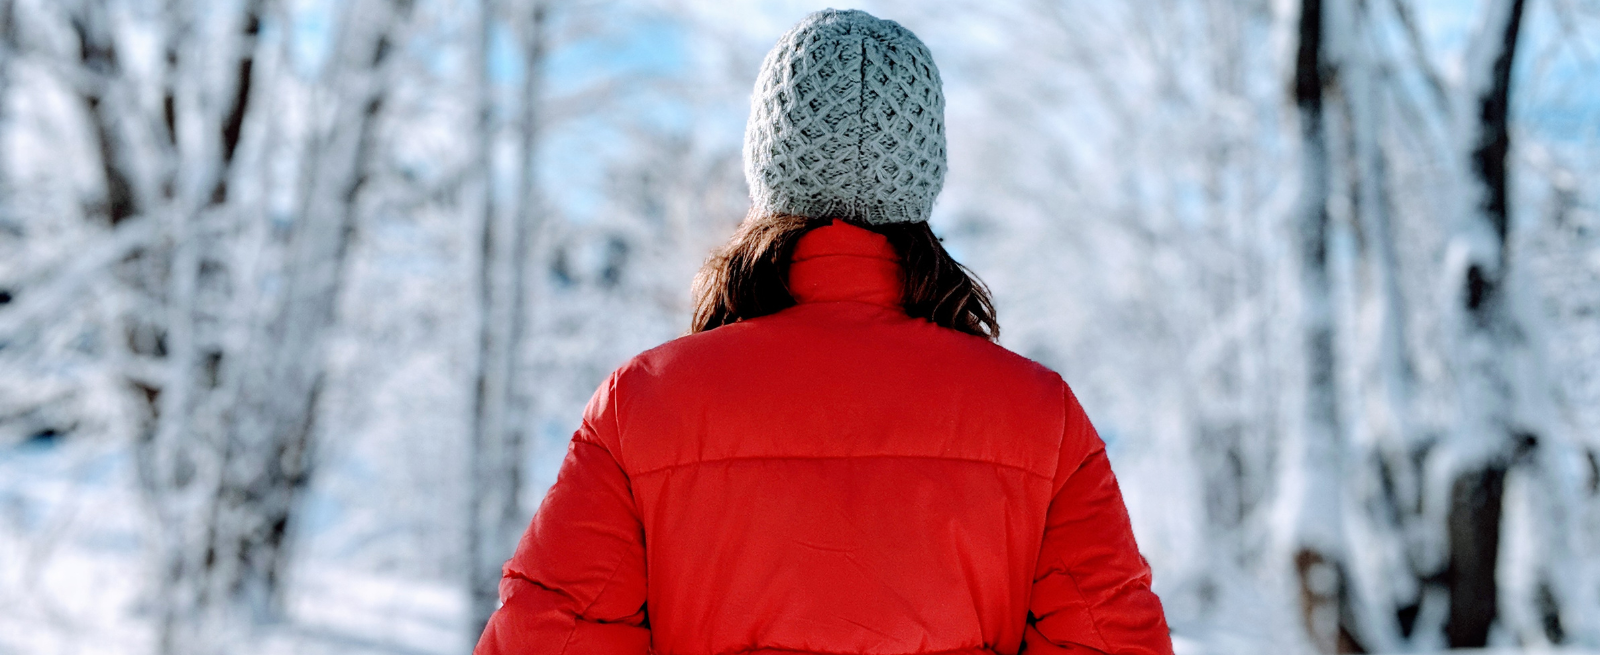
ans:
x=576 y=584
x=1091 y=590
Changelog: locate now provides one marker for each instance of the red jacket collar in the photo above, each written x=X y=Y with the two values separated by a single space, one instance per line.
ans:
x=844 y=263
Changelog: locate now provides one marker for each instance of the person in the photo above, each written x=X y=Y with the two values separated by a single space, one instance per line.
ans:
x=838 y=458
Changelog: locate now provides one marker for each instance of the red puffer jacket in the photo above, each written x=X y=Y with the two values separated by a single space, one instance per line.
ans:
x=834 y=478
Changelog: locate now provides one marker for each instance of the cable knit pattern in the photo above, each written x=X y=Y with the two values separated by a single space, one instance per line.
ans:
x=846 y=121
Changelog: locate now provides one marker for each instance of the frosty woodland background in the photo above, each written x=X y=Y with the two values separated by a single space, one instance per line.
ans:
x=300 y=299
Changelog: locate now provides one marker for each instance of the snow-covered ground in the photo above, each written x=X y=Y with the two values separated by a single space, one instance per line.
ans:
x=73 y=577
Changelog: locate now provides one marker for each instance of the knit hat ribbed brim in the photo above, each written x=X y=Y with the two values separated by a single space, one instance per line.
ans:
x=846 y=121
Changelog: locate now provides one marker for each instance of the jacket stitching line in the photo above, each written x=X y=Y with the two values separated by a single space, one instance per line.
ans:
x=970 y=460
x=616 y=413
x=1088 y=608
x=1066 y=424
x=579 y=615
x=615 y=567
x=1076 y=468
x=517 y=575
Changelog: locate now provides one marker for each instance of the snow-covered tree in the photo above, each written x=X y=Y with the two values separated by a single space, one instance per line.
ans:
x=334 y=278
x=501 y=398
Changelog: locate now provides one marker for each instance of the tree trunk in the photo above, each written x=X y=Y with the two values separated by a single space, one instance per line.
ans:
x=99 y=60
x=266 y=440
x=1490 y=335
x=528 y=221
x=1474 y=533
x=8 y=53
x=493 y=465
x=1318 y=551
x=1383 y=481
x=501 y=397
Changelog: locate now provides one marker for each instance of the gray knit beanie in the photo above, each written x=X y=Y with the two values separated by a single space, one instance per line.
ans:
x=846 y=121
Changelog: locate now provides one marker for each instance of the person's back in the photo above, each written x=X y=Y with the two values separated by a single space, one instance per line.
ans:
x=838 y=477
x=833 y=476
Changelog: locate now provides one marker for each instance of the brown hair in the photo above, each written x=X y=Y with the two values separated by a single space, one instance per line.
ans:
x=749 y=276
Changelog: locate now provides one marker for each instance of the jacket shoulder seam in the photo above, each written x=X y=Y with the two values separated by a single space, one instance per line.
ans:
x=718 y=460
